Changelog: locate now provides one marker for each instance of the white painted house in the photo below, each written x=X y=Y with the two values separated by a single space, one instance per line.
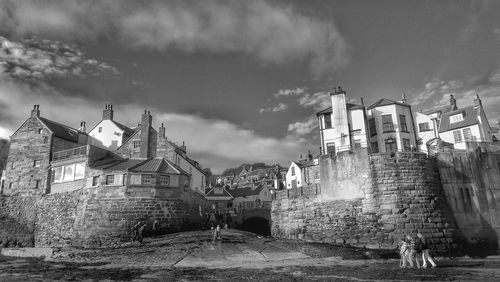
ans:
x=198 y=177
x=109 y=134
x=427 y=130
x=295 y=175
x=467 y=124
x=391 y=126
x=343 y=125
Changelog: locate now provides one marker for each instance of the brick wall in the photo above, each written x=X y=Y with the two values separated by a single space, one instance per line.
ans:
x=370 y=202
x=17 y=220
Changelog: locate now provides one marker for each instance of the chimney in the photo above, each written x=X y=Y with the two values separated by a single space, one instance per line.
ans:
x=108 y=112
x=82 y=127
x=477 y=101
x=362 y=101
x=404 y=101
x=36 y=111
x=453 y=102
x=340 y=90
x=309 y=155
x=161 y=131
x=183 y=147
x=145 y=128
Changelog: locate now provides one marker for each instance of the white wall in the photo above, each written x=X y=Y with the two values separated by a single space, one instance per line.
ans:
x=425 y=135
x=197 y=182
x=395 y=110
x=109 y=138
x=448 y=136
x=357 y=121
x=298 y=176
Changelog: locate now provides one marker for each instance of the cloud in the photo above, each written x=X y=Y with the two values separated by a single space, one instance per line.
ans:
x=41 y=59
x=271 y=32
x=290 y=92
x=318 y=100
x=436 y=92
x=215 y=143
x=281 y=107
x=302 y=128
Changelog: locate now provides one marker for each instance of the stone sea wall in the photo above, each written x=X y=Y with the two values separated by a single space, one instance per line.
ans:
x=390 y=196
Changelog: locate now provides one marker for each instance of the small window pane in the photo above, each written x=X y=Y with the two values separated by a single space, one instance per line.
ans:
x=402 y=120
x=328 y=121
x=110 y=179
x=387 y=124
x=79 y=170
x=164 y=180
x=146 y=179
x=94 y=180
x=69 y=172
x=457 y=135
x=57 y=174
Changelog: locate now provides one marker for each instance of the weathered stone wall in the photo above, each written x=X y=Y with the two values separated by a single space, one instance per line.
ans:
x=56 y=218
x=387 y=197
x=17 y=220
x=165 y=149
x=471 y=182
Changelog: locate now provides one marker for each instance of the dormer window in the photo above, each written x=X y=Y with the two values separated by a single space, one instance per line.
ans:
x=456 y=118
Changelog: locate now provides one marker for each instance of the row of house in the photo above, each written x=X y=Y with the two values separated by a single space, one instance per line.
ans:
x=390 y=126
x=48 y=157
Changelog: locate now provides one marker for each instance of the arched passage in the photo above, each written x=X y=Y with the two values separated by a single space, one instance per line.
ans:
x=257 y=225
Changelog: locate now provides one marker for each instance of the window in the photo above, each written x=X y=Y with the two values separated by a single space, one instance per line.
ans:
x=468 y=134
x=95 y=180
x=146 y=179
x=357 y=144
x=37 y=163
x=293 y=170
x=390 y=145
x=40 y=131
x=373 y=127
x=79 y=171
x=406 y=145
x=137 y=144
x=330 y=148
x=457 y=134
x=57 y=174
x=375 y=147
x=13 y=165
x=45 y=139
x=165 y=180
x=294 y=183
x=99 y=129
x=110 y=179
x=316 y=175
x=10 y=185
x=387 y=124
x=424 y=126
x=69 y=171
x=328 y=121
x=37 y=184
x=402 y=120
x=456 y=118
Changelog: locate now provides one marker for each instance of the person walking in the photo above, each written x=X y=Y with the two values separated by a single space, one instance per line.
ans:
x=425 y=251
x=155 y=226
x=412 y=254
x=141 y=232
x=135 y=231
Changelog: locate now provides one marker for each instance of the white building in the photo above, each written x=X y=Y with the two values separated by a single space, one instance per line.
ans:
x=109 y=134
x=391 y=126
x=343 y=125
x=467 y=124
x=295 y=175
x=198 y=177
x=427 y=130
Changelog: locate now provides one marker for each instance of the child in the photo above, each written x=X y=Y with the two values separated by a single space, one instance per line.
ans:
x=403 y=253
x=412 y=254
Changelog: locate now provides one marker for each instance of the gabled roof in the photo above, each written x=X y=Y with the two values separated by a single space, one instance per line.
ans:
x=470 y=114
x=386 y=102
x=61 y=130
x=225 y=193
x=247 y=191
x=126 y=130
x=142 y=165
x=442 y=110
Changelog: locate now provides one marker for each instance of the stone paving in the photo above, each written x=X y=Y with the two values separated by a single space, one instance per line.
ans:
x=193 y=256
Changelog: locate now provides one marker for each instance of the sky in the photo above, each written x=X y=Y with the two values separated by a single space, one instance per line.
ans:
x=241 y=81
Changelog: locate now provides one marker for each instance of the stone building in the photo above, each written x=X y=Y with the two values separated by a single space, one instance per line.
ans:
x=62 y=191
x=303 y=172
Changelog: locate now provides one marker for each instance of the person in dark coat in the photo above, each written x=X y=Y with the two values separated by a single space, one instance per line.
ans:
x=425 y=251
x=135 y=231
x=141 y=232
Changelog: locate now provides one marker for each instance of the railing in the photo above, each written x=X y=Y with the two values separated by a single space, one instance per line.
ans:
x=71 y=153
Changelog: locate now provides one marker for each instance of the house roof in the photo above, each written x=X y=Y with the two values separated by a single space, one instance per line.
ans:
x=470 y=113
x=442 y=110
x=142 y=165
x=246 y=191
x=125 y=164
x=385 y=102
x=225 y=193
x=61 y=130
x=126 y=130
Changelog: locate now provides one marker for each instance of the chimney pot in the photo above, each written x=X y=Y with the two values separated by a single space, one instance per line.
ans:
x=36 y=111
